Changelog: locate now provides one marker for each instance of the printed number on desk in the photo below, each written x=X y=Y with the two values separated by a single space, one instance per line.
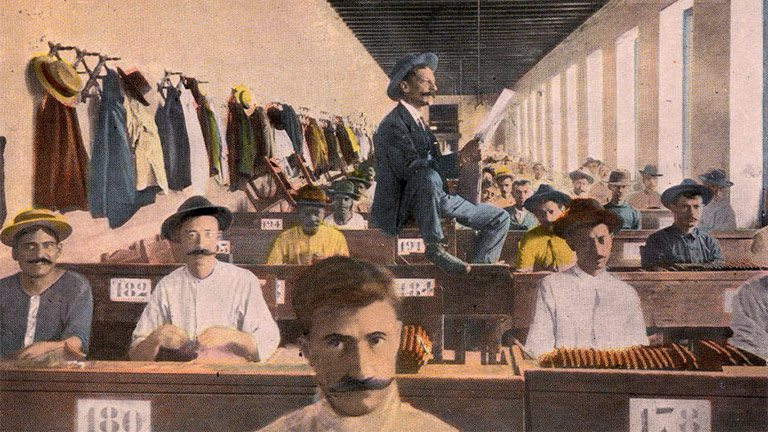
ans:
x=279 y=291
x=130 y=290
x=657 y=415
x=104 y=415
x=223 y=247
x=410 y=245
x=415 y=287
x=272 y=224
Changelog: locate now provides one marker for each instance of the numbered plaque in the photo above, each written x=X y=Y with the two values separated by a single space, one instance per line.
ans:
x=657 y=415
x=96 y=415
x=415 y=287
x=271 y=224
x=728 y=296
x=280 y=291
x=631 y=251
x=130 y=290
x=223 y=247
x=410 y=245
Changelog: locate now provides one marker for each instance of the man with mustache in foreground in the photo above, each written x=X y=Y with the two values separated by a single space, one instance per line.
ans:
x=211 y=305
x=348 y=315
x=45 y=311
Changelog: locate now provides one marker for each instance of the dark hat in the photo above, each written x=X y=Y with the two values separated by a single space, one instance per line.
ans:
x=670 y=195
x=715 y=177
x=195 y=206
x=650 y=170
x=135 y=84
x=590 y=159
x=311 y=195
x=578 y=174
x=343 y=187
x=586 y=211
x=546 y=193
x=620 y=177
x=403 y=66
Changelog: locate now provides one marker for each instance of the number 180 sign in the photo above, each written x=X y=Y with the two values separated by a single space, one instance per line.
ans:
x=103 y=415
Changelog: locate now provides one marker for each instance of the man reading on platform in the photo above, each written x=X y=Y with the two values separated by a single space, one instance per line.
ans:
x=343 y=195
x=410 y=171
x=618 y=183
x=312 y=239
x=540 y=249
x=520 y=218
x=682 y=242
x=647 y=198
x=348 y=315
x=585 y=306
x=209 y=307
x=45 y=312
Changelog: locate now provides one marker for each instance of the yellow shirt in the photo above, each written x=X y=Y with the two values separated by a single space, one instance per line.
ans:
x=292 y=246
x=542 y=250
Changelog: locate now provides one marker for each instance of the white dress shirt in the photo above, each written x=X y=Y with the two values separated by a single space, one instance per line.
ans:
x=415 y=113
x=749 y=317
x=230 y=296
x=576 y=309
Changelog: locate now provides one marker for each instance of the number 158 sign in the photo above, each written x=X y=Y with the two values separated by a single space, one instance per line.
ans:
x=670 y=415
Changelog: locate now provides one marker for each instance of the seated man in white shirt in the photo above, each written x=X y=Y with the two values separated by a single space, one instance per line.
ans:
x=343 y=196
x=348 y=314
x=749 y=317
x=585 y=306
x=212 y=308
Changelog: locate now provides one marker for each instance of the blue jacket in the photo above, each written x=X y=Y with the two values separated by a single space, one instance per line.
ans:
x=400 y=148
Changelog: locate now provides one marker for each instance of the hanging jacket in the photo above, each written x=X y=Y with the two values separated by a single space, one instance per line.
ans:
x=144 y=141
x=209 y=127
x=318 y=149
x=174 y=139
x=293 y=129
x=198 y=154
x=264 y=139
x=334 y=155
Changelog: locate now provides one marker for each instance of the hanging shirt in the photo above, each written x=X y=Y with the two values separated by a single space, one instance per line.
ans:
x=749 y=317
x=292 y=246
x=670 y=246
x=230 y=296
x=718 y=215
x=577 y=310
x=144 y=140
x=542 y=250
x=198 y=154
x=630 y=216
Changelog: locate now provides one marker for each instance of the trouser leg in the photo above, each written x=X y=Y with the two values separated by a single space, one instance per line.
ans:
x=492 y=224
x=426 y=189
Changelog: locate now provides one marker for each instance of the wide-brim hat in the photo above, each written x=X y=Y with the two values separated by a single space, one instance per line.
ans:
x=583 y=211
x=578 y=175
x=35 y=217
x=403 y=66
x=343 y=187
x=546 y=193
x=670 y=195
x=58 y=78
x=651 y=170
x=242 y=95
x=311 y=195
x=620 y=177
x=135 y=84
x=502 y=173
x=195 y=206
x=715 y=177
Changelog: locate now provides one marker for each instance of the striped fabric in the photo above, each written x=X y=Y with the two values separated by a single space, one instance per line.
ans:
x=294 y=247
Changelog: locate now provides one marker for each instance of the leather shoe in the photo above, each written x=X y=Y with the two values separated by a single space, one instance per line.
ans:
x=438 y=256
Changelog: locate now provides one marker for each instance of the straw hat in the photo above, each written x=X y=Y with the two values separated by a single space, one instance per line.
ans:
x=35 y=217
x=58 y=78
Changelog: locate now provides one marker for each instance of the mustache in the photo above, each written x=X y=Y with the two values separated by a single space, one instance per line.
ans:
x=40 y=260
x=429 y=94
x=349 y=384
x=205 y=252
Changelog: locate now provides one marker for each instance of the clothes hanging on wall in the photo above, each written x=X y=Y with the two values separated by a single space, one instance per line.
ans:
x=264 y=138
x=60 y=158
x=334 y=155
x=318 y=149
x=293 y=128
x=240 y=142
x=198 y=154
x=174 y=139
x=3 y=207
x=345 y=144
x=208 y=125
x=144 y=141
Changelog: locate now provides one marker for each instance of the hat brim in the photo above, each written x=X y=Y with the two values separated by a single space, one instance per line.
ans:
x=554 y=196
x=38 y=63
x=498 y=177
x=669 y=196
x=61 y=227
x=651 y=174
x=171 y=225
x=586 y=177
x=393 y=90
x=566 y=223
x=721 y=183
x=132 y=90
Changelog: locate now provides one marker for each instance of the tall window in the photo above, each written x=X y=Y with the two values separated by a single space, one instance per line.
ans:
x=572 y=122
x=595 y=104
x=626 y=100
x=555 y=124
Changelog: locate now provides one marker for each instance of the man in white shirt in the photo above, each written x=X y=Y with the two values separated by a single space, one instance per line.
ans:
x=213 y=306
x=585 y=306
x=718 y=215
x=348 y=314
x=343 y=196
x=749 y=317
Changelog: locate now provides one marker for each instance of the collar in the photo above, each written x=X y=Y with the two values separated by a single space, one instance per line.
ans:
x=415 y=112
x=189 y=273
x=578 y=272
x=694 y=232
x=384 y=417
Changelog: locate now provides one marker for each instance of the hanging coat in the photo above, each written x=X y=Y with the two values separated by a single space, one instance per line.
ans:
x=60 y=158
x=240 y=143
x=198 y=155
x=318 y=149
x=144 y=141
x=334 y=156
x=293 y=129
x=112 y=180
x=345 y=144
x=208 y=126
x=264 y=139
x=174 y=139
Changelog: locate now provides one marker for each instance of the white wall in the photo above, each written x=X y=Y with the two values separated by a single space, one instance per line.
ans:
x=626 y=91
x=595 y=104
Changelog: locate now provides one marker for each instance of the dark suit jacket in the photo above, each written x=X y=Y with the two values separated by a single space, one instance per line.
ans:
x=400 y=148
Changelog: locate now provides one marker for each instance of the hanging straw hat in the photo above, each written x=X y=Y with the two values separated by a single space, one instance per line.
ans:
x=58 y=78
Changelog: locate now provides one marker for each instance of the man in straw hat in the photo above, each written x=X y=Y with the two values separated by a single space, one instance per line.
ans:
x=718 y=215
x=207 y=304
x=348 y=314
x=343 y=195
x=45 y=311
x=540 y=249
x=312 y=239
x=682 y=242
x=618 y=183
x=409 y=170
x=585 y=306
x=647 y=198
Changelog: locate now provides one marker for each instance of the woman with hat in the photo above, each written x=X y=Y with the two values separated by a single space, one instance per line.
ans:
x=540 y=249
x=718 y=215
x=45 y=311
x=647 y=198
x=682 y=242
x=343 y=196
x=585 y=306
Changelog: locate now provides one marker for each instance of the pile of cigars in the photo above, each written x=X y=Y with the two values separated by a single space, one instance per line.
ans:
x=415 y=349
x=706 y=356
